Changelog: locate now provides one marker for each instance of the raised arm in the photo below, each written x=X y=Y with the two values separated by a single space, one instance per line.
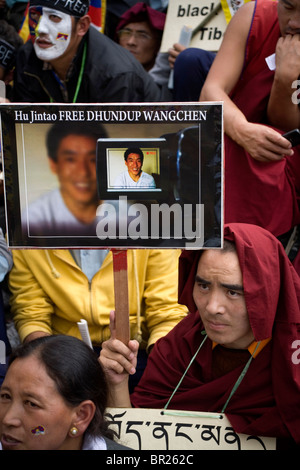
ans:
x=118 y=361
x=261 y=142
x=283 y=110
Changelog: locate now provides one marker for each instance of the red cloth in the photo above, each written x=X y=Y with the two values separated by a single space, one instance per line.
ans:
x=142 y=12
x=267 y=400
x=296 y=263
x=265 y=194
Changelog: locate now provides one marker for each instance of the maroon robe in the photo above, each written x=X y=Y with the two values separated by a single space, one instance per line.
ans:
x=267 y=400
x=265 y=194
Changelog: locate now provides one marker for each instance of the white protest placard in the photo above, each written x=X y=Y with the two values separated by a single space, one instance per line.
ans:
x=192 y=13
x=179 y=205
x=154 y=429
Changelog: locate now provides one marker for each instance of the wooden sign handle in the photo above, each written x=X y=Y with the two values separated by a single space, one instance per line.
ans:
x=121 y=295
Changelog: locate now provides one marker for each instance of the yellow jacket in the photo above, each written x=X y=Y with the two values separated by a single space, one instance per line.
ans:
x=50 y=293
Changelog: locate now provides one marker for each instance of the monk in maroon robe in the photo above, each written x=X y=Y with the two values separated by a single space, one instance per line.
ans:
x=255 y=74
x=238 y=350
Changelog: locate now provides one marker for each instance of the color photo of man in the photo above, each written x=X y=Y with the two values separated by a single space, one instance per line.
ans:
x=134 y=176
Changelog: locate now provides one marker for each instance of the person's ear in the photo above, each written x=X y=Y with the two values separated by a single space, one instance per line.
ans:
x=83 y=25
x=83 y=415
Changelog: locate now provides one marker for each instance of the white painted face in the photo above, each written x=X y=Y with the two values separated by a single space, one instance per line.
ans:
x=53 y=34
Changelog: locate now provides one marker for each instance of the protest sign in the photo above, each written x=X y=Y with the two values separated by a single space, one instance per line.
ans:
x=153 y=429
x=58 y=197
x=207 y=22
x=183 y=13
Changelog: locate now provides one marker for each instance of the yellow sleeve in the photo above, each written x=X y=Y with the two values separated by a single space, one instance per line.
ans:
x=30 y=306
x=162 y=310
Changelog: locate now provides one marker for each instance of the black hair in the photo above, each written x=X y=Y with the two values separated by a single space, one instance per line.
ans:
x=76 y=371
x=136 y=150
x=228 y=247
x=60 y=130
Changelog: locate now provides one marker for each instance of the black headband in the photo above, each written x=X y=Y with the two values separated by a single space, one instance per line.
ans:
x=7 y=54
x=76 y=8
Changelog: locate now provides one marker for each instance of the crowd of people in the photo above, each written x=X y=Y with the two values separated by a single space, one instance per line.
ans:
x=210 y=330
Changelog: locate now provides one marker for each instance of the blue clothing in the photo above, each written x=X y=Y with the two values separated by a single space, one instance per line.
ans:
x=5 y=348
x=190 y=71
x=6 y=263
x=90 y=261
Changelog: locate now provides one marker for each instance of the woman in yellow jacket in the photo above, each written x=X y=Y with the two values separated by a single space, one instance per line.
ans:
x=50 y=293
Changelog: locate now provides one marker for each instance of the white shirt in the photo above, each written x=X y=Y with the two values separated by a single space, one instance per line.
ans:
x=124 y=180
x=49 y=215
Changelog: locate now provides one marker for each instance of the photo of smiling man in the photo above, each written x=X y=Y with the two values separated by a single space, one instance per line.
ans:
x=134 y=176
x=71 y=208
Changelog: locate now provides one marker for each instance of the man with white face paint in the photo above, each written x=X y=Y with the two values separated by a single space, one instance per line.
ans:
x=69 y=61
x=53 y=34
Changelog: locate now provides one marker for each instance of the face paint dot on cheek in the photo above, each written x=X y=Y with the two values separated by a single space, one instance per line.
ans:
x=38 y=431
